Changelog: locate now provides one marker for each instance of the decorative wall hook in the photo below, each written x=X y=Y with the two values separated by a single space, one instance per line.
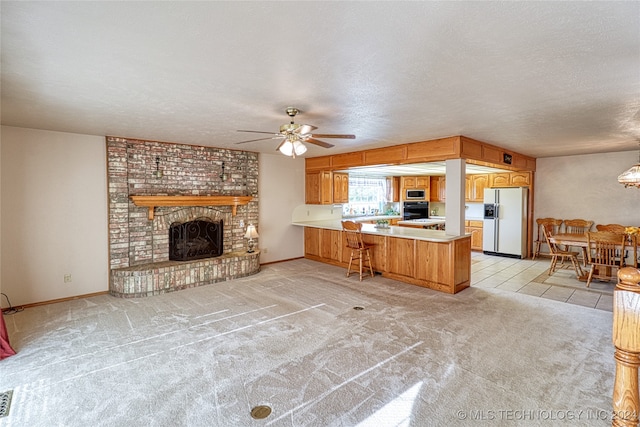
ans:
x=223 y=176
x=157 y=173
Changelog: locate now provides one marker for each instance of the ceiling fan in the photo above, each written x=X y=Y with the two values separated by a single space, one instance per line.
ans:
x=293 y=135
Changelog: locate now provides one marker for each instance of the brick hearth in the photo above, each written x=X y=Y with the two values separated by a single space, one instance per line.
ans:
x=168 y=276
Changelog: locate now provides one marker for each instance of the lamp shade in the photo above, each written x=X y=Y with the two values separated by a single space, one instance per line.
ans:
x=251 y=232
x=631 y=177
x=289 y=148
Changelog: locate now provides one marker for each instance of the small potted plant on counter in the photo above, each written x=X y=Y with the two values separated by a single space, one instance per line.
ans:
x=382 y=223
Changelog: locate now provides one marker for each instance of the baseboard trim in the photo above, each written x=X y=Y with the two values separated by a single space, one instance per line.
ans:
x=282 y=260
x=54 y=301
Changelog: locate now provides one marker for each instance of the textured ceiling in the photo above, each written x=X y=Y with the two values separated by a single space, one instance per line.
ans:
x=540 y=78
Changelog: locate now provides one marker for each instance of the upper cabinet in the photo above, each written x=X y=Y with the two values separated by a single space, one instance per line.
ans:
x=415 y=183
x=318 y=188
x=438 y=189
x=326 y=188
x=340 y=187
x=421 y=182
x=510 y=179
x=474 y=187
x=323 y=188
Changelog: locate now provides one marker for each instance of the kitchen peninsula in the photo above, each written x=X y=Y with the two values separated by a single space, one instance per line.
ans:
x=428 y=258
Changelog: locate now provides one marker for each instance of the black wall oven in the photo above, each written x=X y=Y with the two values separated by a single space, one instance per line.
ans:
x=415 y=210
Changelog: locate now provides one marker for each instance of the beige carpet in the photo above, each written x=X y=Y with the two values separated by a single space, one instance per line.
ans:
x=290 y=338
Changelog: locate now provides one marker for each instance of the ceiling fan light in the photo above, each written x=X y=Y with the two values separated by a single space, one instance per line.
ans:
x=295 y=148
x=286 y=148
x=631 y=177
x=299 y=148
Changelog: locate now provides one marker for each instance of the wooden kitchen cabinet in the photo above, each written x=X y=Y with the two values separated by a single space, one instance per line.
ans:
x=520 y=179
x=431 y=261
x=378 y=251
x=510 y=179
x=326 y=188
x=312 y=241
x=415 y=182
x=340 y=187
x=319 y=188
x=475 y=228
x=474 y=187
x=330 y=244
x=438 y=188
x=400 y=256
x=442 y=266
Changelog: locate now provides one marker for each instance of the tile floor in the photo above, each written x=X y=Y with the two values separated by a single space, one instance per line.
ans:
x=531 y=277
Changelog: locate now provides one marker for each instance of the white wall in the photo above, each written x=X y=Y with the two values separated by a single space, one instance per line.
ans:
x=281 y=189
x=54 y=215
x=586 y=187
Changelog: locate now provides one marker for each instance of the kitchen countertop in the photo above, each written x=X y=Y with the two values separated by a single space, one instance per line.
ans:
x=423 y=221
x=393 y=231
x=359 y=218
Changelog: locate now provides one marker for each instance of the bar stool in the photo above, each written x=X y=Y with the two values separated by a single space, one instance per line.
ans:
x=353 y=231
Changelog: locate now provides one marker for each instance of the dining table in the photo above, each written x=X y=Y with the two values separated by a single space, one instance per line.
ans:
x=580 y=240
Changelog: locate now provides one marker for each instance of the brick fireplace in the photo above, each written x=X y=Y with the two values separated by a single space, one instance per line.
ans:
x=139 y=241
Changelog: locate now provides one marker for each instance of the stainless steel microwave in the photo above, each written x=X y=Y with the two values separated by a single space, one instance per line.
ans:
x=415 y=194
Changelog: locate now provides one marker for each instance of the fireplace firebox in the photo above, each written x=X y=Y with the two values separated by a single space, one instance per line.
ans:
x=200 y=238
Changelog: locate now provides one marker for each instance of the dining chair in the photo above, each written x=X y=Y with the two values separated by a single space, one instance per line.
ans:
x=353 y=232
x=612 y=228
x=554 y=224
x=633 y=240
x=557 y=253
x=603 y=251
x=578 y=226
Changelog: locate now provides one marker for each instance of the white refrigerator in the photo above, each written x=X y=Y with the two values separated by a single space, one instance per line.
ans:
x=504 y=230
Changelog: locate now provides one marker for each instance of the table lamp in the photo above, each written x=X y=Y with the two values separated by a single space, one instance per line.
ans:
x=251 y=234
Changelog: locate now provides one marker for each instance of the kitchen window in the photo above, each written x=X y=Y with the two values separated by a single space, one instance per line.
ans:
x=367 y=195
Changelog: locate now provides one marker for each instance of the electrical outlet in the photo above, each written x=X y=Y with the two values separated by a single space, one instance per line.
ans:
x=67 y=278
x=242 y=223
x=265 y=250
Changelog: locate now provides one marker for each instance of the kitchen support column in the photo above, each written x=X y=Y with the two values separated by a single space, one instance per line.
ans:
x=454 y=209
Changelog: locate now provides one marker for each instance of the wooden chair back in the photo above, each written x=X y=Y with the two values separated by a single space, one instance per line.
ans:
x=577 y=226
x=353 y=232
x=552 y=223
x=547 y=232
x=604 y=248
x=613 y=228
x=557 y=253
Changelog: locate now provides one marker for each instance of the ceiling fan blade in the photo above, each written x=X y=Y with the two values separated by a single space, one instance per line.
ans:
x=318 y=142
x=259 y=139
x=328 y=135
x=304 y=129
x=280 y=145
x=258 y=131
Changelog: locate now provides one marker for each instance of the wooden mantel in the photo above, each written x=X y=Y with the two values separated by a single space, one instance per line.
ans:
x=152 y=201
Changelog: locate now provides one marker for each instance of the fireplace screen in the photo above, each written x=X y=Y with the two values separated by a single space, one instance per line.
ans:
x=201 y=238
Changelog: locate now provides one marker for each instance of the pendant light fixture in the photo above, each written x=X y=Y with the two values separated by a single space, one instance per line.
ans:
x=631 y=177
